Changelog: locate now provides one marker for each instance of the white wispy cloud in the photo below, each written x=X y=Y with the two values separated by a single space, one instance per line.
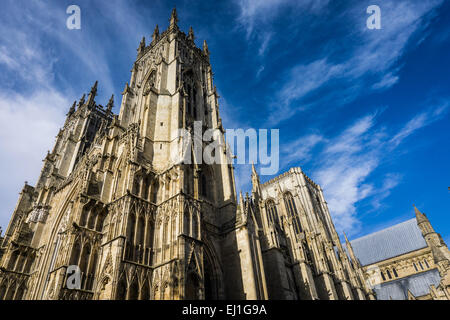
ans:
x=267 y=36
x=419 y=121
x=344 y=169
x=28 y=126
x=35 y=96
x=254 y=13
x=343 y=164
x=300 y=149
x=391 y=180
x=372 y=60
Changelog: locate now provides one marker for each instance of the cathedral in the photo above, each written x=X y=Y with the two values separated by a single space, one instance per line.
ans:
x=137 y=225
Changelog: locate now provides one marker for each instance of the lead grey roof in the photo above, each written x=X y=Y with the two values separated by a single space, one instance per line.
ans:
x=418 y=284
x=388 y=243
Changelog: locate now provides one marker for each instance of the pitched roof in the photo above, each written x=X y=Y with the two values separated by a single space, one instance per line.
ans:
x=388 y=243
x=418 y=285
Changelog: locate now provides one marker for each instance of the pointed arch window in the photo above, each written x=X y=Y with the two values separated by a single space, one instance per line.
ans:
x=272 y=212
x=76 y=251
x=292 y=212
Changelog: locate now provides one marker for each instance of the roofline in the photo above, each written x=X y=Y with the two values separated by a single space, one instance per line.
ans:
x=382 y=230
x=393 y=257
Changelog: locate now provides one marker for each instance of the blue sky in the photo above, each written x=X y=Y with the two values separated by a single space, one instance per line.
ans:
x=364 y=112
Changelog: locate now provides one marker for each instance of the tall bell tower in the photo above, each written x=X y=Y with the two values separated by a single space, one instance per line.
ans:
x=168 y=239
x=116 y=207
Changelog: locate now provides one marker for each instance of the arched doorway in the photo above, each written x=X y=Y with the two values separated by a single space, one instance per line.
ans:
x=210 y=287
x=212 y=275
x=192 y=287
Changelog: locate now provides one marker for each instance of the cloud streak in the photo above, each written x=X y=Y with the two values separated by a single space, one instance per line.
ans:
x=343 y=164
x=43 y=67
x=370 y=62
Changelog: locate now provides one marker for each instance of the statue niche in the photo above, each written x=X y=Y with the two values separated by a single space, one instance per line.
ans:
x=150 y=83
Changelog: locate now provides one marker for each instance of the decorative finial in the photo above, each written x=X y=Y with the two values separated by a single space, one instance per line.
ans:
x=191 y=34
x=346 y=239
x=94 y=88
x=141 y=46
x=174 y=17
x=254 y=169
x=92 y=95
x=82 y=100
x=420 y=217
x=110 y=104
x=72 y=108
x=127 y=89
x=205 y=48
x=155 y=35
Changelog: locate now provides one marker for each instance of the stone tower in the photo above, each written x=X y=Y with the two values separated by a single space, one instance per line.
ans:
x=115 y=214
x=440 y=253
x=112 y=201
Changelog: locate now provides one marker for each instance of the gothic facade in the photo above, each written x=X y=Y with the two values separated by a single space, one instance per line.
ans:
x=407 y=261
x=139 y=225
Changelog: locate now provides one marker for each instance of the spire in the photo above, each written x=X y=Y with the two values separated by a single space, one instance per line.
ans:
x=255 y=183
x=254 y=173
x=241 y=199
x=141 y=46
x=174 y=18
x=72 y=108
x=205 y=48
x=110 y=105
x=420 y=217
x=93 y=94
x=155 y=35
x=191 y=34
x=346 y=239
x=94 y=88
x=351 y=252
x=82 y=100
x=127 y=89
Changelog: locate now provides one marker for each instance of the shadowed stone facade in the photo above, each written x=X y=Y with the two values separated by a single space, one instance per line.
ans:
x=111 y=201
